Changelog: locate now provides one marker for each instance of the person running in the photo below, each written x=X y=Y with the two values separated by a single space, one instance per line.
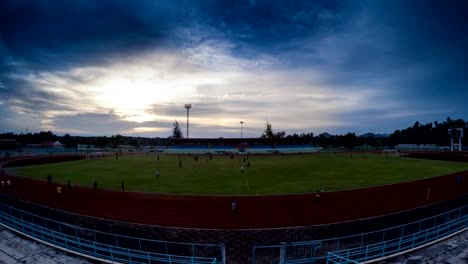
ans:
x=69 y=187
x=49 y=178
x=233 y=207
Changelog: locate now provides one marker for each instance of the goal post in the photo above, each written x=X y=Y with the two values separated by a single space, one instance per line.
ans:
x=394 y=153
x=93 y=155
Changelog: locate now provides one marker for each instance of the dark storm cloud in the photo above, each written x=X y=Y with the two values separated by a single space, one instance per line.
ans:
x=45 y=34
x=411 y=54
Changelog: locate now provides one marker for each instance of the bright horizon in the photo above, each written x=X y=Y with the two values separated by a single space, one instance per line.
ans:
x=326 y=66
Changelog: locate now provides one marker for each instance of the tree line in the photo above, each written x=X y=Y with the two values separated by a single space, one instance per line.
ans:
x=429 y=133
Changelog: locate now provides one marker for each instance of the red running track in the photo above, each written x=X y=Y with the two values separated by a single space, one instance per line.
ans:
x=213 y=212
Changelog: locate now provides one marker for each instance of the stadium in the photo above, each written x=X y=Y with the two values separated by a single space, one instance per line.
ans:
x=233 y=132
x=125 y=220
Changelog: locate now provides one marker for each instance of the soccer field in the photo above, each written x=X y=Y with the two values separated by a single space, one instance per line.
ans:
x=222 y=175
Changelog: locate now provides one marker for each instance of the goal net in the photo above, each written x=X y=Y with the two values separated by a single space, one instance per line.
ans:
x=394 y=153
x=93 y=155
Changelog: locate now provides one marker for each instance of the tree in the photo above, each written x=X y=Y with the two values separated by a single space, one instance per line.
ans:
x=268 y=133
x=176 y=132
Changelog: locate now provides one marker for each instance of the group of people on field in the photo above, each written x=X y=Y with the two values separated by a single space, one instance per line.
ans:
x=244 y=161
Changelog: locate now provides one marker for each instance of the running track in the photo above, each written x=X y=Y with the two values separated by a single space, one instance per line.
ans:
x=212 y=212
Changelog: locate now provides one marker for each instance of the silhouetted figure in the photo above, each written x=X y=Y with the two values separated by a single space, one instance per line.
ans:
x=233 y=207
x=180 y=164
x=242 y=168
x=459 y=179
x=428 y=195
x=157 y=174
x=69 y=187
x=317 y=196
x=157 y=159
x=49 y=178
x=248 y=164
x=196 y=158
x=122 y=186
x=95 y=185
x=244 y=159
x=211 y=156
x=116 y=156
x=232 y=156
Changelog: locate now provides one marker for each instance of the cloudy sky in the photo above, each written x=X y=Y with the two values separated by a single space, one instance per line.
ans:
x=128 y=67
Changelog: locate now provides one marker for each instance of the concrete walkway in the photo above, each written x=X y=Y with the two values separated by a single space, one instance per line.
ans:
x=15 y=250
x=450 y=251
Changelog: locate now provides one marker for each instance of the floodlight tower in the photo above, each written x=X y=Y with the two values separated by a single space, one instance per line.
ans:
x=455 y=133
x=241 y=122
x=188 y=106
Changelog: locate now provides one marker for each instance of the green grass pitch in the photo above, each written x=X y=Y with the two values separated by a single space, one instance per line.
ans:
x=222 y=175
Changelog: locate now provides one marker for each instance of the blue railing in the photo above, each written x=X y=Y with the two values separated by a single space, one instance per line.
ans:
x=106 y=246
x=366 y=246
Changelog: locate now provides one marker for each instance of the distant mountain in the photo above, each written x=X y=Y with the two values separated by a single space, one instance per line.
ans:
x=367 y=135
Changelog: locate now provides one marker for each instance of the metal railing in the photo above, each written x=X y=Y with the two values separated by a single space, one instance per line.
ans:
x=106 y=246
x=397 y=245
x=366 y=246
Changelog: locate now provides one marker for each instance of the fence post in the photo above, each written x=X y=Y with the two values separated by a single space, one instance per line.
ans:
x=253 y=255
x=223 y=253
x=77 y=239
x=282 y=253
x=193 y=252
x=399 y=244
x=112 y=255
x=367 y=249
x=383 y=249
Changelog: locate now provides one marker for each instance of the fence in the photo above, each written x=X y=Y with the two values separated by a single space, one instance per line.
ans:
x=366 y=246
x=106 y=246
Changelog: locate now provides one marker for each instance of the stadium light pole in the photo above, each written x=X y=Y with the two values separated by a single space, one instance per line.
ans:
x=188 y=106
x=241 y=122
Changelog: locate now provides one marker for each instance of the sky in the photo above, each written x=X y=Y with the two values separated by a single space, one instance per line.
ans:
x=129 y=67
